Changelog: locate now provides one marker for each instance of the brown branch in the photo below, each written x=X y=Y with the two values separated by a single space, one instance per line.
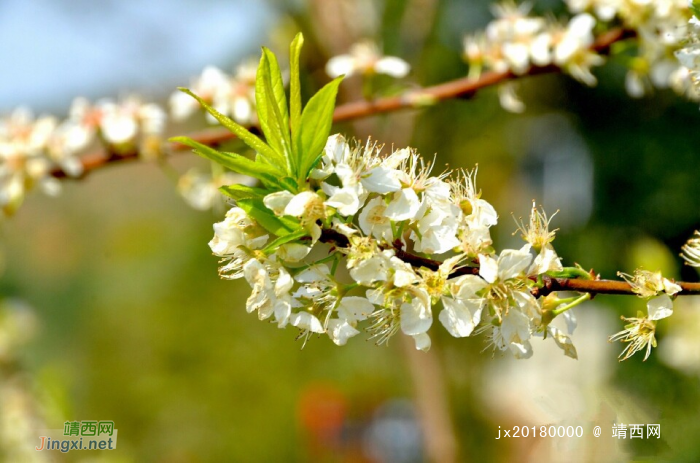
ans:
x=551 y=284
x=603 y=286
x=459 y=88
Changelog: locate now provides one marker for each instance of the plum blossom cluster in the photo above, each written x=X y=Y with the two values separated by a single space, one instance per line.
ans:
x=31 y=147
x=201 y=189
x=230 y=94
x=689 y=55
x=371 y=225
x=660 y=29
x=515 y=41
x=365 y=58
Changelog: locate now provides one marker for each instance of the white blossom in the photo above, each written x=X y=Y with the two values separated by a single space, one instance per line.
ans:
x=365 y=58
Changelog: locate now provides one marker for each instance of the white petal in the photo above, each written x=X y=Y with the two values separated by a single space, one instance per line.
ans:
x=460 y=317
x=242 y=110
x=345 y=200
x=563 y=341
x=343 y=228
x=517 y=55
x=404 y=205
x=313 y=274
x=422 y=342
x=521 y=350
x=485 y=215
x=488 y=268
x=546 y=261
x=381 y=180
x=403 y=273
x=660 y=307
x=689 y=57
x=336 y=149
x=282 y=312
x=634 y=85
x=370 y=270
x=119 y=129
x=306 y=321
x=466 y=286
x=284 y=283
x=182 y=106
x=416 y=317
x=570 y=320
x=278 y=201
x=293 y=252
x=340 y=331
x=373 y=220
x=509 y=99
x=339 y=65
x=581 y=25
x=539 y=50
x=392 y=66
x=353 y=308
x=670 y=287
x=300 y=203
x=515 y=326
x=512 y=263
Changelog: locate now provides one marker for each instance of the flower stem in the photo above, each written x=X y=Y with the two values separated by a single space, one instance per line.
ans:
x=576 y=301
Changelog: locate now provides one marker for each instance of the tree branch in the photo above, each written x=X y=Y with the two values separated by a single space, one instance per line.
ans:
x=459 y=88
x=551 y=284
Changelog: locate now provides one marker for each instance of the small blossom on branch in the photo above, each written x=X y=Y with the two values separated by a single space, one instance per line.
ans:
x=232 y=95
x=365 y=58
x=691 y=251
x=648 y=284
x=640 y=333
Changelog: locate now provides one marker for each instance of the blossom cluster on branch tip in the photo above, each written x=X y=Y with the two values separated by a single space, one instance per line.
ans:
x=383 y=204
x=689 y=55
x=691 y=251
x=233 y=95
x=31 y=147
x=516 y=40
x=343 y=237
x=365 y=58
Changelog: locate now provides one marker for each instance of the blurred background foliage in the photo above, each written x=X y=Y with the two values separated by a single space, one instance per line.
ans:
x=134 y=325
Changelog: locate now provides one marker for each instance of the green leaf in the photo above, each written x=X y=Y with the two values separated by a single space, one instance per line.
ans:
x=295 y=85
x=285 y=239
x=316 y=121
x=239 y=192
x=274 y=90
x=280 y=226
x=289 y=184
x=271 y=104
x=241 y=132
x=695 y=8
x=233 y=161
